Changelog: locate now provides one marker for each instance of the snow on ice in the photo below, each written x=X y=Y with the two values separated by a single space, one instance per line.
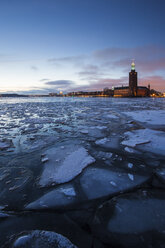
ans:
x=146 y=139
x=152 y=117
x=67 y=167
x=61 y=197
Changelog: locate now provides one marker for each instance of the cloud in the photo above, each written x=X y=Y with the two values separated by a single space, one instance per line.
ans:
x=110 y=61
x=142 y=65
x=110 y=67
x=142 y=52
x=104 y=68
x=74 y=60
x=60 y=83
x=34 y=68
x=100 y=84
x=148 y=59
x=156 y=82
x=152 y=66
x=44 y=79
x=109 y=82
x=109 y=53
x=90 y=70
x=67 y=59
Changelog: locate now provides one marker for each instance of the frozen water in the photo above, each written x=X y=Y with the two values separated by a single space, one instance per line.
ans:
x=63 y=153
x=32 y=124
x=69 y=191
x=43 y=160
x=101 y=141
x=3 y=215
x=101 y=127
x=84 y=131
x=22 y=241
x=104 y=155
x=152 y=117
x=146 y=139
x=42 y=239
x=97 y=182
x=130 y=165
x=64 y=164
x=131 y=177
x=133 y=214
x=113 y=183
x=13 y=182
x=5 y=143
x=132 y=220
x=111 y=116
x=161 y=174
x=130 y=150
x=61 y=197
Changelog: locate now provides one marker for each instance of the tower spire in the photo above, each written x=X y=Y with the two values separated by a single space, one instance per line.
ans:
x=133 y=65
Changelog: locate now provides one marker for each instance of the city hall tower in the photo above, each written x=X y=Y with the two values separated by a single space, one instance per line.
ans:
x=133 y=81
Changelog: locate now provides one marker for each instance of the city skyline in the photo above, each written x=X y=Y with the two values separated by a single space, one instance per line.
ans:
x=73 y=45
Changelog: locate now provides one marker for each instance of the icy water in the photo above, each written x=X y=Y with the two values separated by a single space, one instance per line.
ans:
x=89 y=172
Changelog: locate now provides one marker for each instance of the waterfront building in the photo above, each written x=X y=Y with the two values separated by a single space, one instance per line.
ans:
x=132 y=90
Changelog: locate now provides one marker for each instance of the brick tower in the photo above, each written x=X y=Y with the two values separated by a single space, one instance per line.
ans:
x=132 y=81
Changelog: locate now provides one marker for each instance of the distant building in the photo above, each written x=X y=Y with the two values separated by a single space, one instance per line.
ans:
x=108 y=92
x=52 y=94
x=133 y=90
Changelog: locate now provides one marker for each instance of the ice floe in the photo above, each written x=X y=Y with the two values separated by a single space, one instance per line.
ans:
x=71 y=161
x=161 y=174
x=145 y=208
x=146 y=139
x=152 y=117
x=102 y=141
x=112 y=116
x=104 y=155
x=97 y=182
x=5 y=143
x=131 y=177
x=59 y=198
x=4 y=215
x=132 y=220
x=130 y=165
x=13 y=181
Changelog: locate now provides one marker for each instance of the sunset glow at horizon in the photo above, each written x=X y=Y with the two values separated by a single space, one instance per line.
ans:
x=58 y=45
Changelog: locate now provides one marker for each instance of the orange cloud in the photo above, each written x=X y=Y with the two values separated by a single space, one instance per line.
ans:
x=156 y=82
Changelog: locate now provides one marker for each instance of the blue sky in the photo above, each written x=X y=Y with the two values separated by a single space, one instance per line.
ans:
x=52 y=45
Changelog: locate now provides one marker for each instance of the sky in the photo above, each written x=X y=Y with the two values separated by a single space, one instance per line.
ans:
x=71 y=45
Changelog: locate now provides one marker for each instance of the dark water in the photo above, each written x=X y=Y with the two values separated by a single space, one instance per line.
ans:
x=75 y=165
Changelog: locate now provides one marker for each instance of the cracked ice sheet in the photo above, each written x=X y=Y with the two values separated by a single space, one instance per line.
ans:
x=137 y=215
x=153 y=117
x=61 y=197
x=64 y=163
x=109 y=142
x=99 y=182
x=147 y=140
x=5 y=143
x=112 y=116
